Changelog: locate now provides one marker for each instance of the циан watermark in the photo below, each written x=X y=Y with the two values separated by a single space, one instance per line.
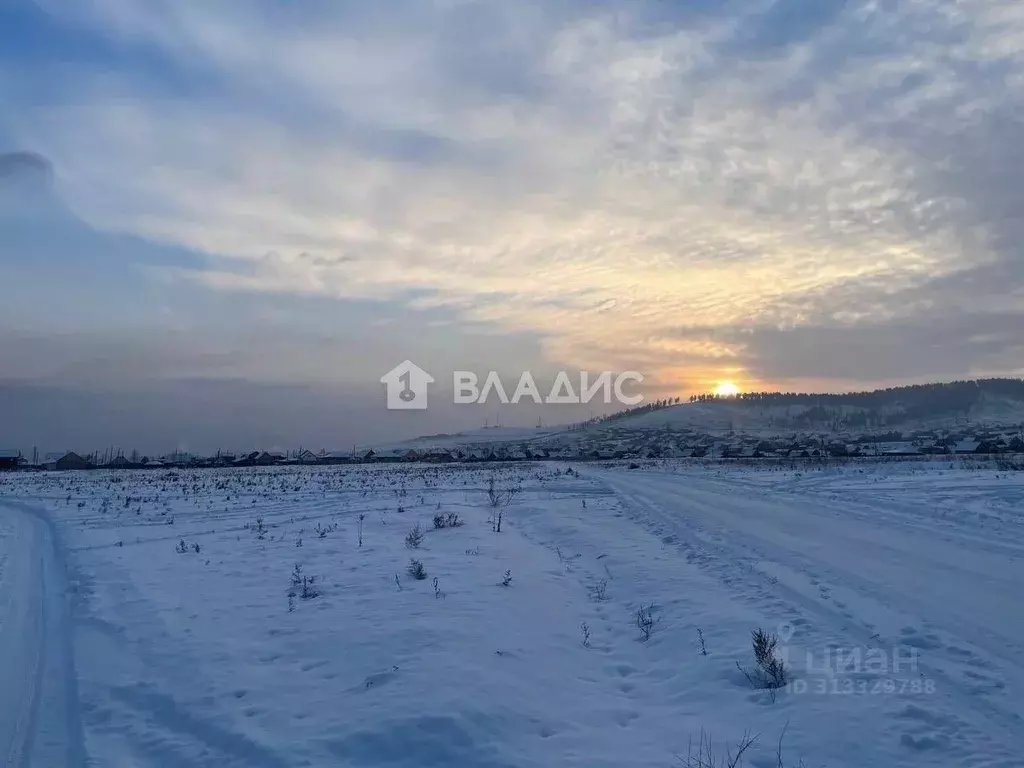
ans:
x=407 y=388
x=855 y=670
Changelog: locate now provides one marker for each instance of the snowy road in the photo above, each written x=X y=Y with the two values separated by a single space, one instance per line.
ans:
x=847 y=566
x=38 y=700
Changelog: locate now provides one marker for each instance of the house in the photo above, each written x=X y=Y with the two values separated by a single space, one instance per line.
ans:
x=337 y=457
x=50 y=460
x=120 y=462
x=71 y=460
x=391 y=455
x=967 y=446
x=898 y=449
x=9 y=459
x=307 y=457
x=438 y=455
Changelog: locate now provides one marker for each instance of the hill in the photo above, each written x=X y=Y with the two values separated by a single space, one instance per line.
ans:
x=994 y=402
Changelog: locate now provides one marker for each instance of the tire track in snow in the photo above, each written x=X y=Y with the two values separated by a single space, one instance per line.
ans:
x=675 y=505
x=39 y=719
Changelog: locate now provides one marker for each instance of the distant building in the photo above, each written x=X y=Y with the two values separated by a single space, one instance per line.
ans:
x=9 y=459
x=337 y=457
x=898 y=449
x=71 y=460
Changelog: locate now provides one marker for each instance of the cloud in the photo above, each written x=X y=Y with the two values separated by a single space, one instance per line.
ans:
x=781 y=176
x=24 y=167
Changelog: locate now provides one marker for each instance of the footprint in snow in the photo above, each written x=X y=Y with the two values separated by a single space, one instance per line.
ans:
x=914 y=638
x=379 y=679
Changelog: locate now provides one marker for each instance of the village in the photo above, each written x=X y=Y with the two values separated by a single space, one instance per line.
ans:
x=607 y=444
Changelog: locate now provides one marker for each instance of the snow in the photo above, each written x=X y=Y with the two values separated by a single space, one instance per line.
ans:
x=475 y=437
x=39 y=716
x=894 y=590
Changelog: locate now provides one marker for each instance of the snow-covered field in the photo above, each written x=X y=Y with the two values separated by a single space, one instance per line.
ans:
x=152 y=618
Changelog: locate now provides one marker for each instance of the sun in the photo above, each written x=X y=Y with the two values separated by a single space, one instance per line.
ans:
x=727 y=389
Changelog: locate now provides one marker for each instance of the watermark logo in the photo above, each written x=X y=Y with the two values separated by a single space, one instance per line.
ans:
x=855 y=670
x=406 y=386
x=604 y=388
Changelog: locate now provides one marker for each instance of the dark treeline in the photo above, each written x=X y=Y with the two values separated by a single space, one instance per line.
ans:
x=904 y=403
x=654 y=405
x=955 y=396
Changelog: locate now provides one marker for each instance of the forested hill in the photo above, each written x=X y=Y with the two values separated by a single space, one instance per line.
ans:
x=992 y=401
x=954 y=395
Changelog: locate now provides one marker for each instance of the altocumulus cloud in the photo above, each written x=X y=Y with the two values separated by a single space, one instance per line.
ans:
x=695 y=188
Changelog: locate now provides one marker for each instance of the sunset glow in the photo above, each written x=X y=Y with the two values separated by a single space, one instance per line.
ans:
x=726 y=389
x=711 y=194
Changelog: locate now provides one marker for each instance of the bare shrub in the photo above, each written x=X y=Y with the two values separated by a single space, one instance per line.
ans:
x=585 y=629
x=414 y=537
x=416 y=569
x=308 y=590
x=779 y=762
x=306 y=586
x=450 y=520
x=645 y=621
x=506 y=580
x=770 y=673
x=498 y=499
x=707 y=755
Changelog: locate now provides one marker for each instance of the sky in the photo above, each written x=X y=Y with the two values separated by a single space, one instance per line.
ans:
x=222 y=222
